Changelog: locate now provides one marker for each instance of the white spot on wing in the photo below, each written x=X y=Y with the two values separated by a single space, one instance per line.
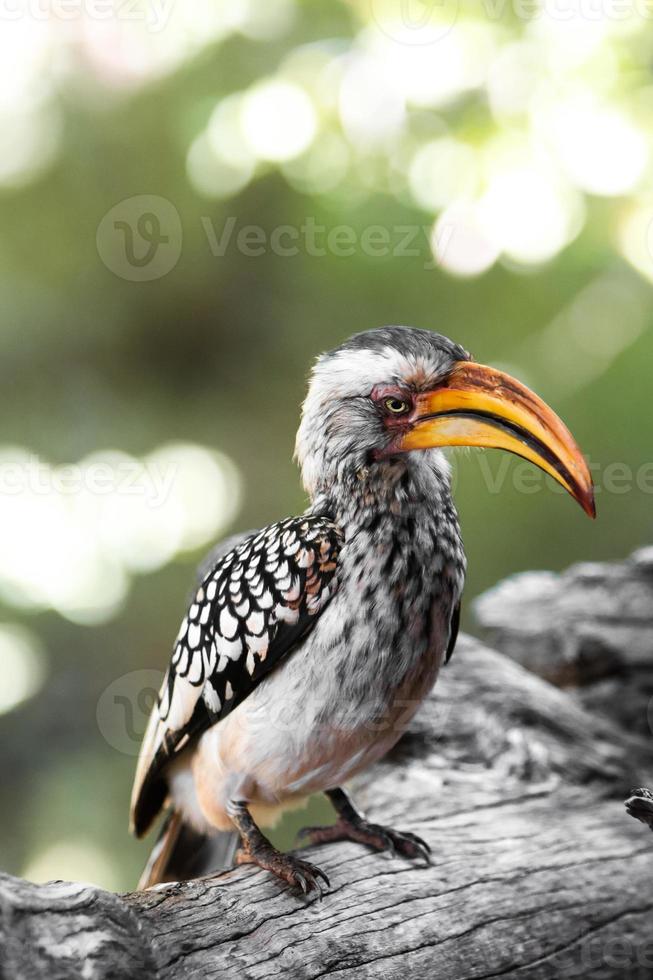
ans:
x=196 y=671
x=258 y=644
x=229 y=648
x=282 y=570
x=228 y=624
x=211 y=698
x=304 y=558
x=287 y=615
x=292 y=594
x=184 y=699
x=256 y=623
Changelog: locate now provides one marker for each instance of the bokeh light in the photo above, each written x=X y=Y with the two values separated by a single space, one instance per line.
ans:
x=278 y=120
x=73 y=535
x=528 y=214
x=602 y=151
x=443 y=171
x=213 y=173
x=635 y=237
x=372 y=109
x=460 y=243
x=553 y=79
x=23 y=665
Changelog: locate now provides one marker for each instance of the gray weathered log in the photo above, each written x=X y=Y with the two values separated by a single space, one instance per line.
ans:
x=537 y=871
x=589 y=629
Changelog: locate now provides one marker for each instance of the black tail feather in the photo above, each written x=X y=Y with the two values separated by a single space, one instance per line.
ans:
x=182 y=853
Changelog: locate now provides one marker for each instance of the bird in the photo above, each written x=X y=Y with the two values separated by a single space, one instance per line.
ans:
x=309 y=645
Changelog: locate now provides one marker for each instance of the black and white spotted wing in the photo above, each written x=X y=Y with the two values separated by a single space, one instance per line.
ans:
x=250 y=609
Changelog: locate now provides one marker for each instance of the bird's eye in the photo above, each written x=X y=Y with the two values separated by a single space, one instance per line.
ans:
x=396 y=406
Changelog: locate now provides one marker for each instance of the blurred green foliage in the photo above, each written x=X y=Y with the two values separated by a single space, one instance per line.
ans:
x=216 y=352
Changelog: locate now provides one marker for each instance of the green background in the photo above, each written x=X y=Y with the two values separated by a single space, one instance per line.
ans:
x=216 y=352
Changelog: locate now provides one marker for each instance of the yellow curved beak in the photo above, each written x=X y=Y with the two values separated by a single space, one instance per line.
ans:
x=480 y=406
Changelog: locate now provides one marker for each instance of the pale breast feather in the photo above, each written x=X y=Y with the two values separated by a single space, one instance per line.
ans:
x=251 y=608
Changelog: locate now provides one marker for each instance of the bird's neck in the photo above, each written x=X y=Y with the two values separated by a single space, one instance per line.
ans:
x=413 y=486
x=399 y=520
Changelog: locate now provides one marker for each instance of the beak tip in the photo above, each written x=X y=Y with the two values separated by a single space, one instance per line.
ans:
x=588 y=503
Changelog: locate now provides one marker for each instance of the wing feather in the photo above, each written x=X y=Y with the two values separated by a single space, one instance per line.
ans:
x=253 y=605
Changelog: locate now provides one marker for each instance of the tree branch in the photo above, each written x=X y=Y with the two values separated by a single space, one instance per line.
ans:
x=588 y=629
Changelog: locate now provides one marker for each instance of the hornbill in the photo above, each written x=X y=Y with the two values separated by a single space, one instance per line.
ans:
x=309 y=644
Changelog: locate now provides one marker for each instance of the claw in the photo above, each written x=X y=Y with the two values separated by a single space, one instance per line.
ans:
x=316 y=874
x=416 y=840
x=374 y=835
x=307 y=876
x=415 y=844
x=295 y=872
x=321 y=874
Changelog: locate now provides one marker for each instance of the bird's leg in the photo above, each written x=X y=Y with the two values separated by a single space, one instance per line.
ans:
x=257 y=849
x=352 y=825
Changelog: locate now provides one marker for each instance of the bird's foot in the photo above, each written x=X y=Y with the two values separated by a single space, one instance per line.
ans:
x=374 y=835
x=292 y=870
